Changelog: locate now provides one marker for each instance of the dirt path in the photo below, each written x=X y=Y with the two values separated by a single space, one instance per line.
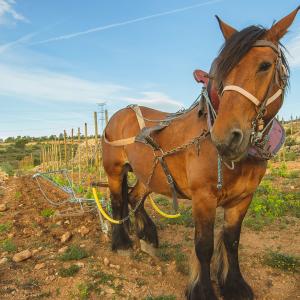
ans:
x=128 y=275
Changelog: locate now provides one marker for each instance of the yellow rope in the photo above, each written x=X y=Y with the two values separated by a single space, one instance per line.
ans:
x=106 y=216
x=103 y=212
x=157 y=209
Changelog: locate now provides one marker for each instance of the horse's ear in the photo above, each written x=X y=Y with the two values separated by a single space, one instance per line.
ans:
x=279 y=29
x=226 y=29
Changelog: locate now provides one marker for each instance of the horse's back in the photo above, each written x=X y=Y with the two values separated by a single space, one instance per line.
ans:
x=124 y=123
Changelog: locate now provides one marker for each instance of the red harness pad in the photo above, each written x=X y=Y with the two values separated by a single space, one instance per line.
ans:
x=275 y=140
x=201 y=77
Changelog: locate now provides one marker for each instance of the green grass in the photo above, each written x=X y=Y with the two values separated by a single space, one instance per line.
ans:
x=282 y=261
x=163 y=201
x=30 y=284
x=102 y=277
x=47 y=212
x=73 y=252
x=9 y=246
x=83 y=291
x=186 y=218
x=69 y=272
x=164 y=252
x=181 y=261
x=4 y=227
x=168 y=252
x=18 y=195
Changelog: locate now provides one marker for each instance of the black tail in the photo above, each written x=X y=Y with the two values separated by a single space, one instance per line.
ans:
x=125 y=196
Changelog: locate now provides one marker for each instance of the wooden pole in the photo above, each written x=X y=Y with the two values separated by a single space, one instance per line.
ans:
x=59 y=153
x=46 y=156
x=72 y=154
x=65 y=149
x=86 y=153
x=51 y=155
x=96 y=144
x=79 y=157
x=106 y=117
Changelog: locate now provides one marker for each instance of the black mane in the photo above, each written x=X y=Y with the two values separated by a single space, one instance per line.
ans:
x=234 y=49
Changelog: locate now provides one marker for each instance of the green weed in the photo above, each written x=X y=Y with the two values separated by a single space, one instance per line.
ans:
x=69 y=272
x=168 y=252
x=73 y=253
x=31 y=284
x=47 y=212
x=186 y=218
x=84 y=291
x=8 y=245
x=270 y=204
x=4 y=227
x=163 y=201
x=282 y=261
x=103 y=278
x=18 y=195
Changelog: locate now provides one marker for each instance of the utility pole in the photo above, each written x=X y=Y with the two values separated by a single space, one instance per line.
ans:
x=101 y=115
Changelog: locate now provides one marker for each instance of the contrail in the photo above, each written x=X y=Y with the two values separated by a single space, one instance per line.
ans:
x=119 y=24
x=21 y=40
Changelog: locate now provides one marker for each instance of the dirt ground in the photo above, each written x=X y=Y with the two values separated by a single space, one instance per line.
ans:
x=129 y=275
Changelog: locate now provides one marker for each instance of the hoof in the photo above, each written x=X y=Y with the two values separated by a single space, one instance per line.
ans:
x=197 y=292
x=120 y=239
x=146 y=229
x=237 y=290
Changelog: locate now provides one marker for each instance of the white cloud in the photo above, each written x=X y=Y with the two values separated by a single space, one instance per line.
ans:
x=8 y=14
x=293 y=47
x=155 y=100
x=43 y=85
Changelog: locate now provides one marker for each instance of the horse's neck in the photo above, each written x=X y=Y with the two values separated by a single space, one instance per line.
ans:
x=187 y=126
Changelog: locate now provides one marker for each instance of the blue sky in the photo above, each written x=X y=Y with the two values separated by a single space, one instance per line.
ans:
x=59 y=58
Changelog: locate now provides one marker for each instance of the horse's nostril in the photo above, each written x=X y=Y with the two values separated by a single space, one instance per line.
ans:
x=236 y=137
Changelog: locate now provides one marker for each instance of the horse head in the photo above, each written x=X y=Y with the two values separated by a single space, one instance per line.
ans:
x=250 y=75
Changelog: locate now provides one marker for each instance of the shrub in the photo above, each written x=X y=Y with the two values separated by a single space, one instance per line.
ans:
x=7 y=168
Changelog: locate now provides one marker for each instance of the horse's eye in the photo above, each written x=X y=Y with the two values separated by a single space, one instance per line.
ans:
x=264 y=66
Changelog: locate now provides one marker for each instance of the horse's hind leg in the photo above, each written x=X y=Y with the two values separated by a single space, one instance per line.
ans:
x=119 y=201
x=231 y=282
x=145 y=227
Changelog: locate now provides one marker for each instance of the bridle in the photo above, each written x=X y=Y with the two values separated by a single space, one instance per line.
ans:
x=280 y=76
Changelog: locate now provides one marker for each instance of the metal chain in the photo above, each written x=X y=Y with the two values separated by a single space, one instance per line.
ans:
x=195 y=141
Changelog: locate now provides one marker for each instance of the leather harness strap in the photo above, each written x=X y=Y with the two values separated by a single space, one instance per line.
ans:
x=130 y=140
x=279 y=70
x=250 y=96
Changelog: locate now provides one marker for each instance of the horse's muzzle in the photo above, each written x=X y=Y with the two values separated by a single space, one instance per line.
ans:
x=233 y=146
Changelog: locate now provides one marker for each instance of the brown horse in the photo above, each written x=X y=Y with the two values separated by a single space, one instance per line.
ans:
x=248 y=71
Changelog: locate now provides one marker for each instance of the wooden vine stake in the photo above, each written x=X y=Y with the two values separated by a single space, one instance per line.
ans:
x=96 y=145
x=86 y=153
x=65 y=149
x=59 y=153
x=72 y=155
x=79 y=157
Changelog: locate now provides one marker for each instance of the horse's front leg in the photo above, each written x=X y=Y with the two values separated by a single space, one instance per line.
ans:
x=204 y=210
x=232 y=284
